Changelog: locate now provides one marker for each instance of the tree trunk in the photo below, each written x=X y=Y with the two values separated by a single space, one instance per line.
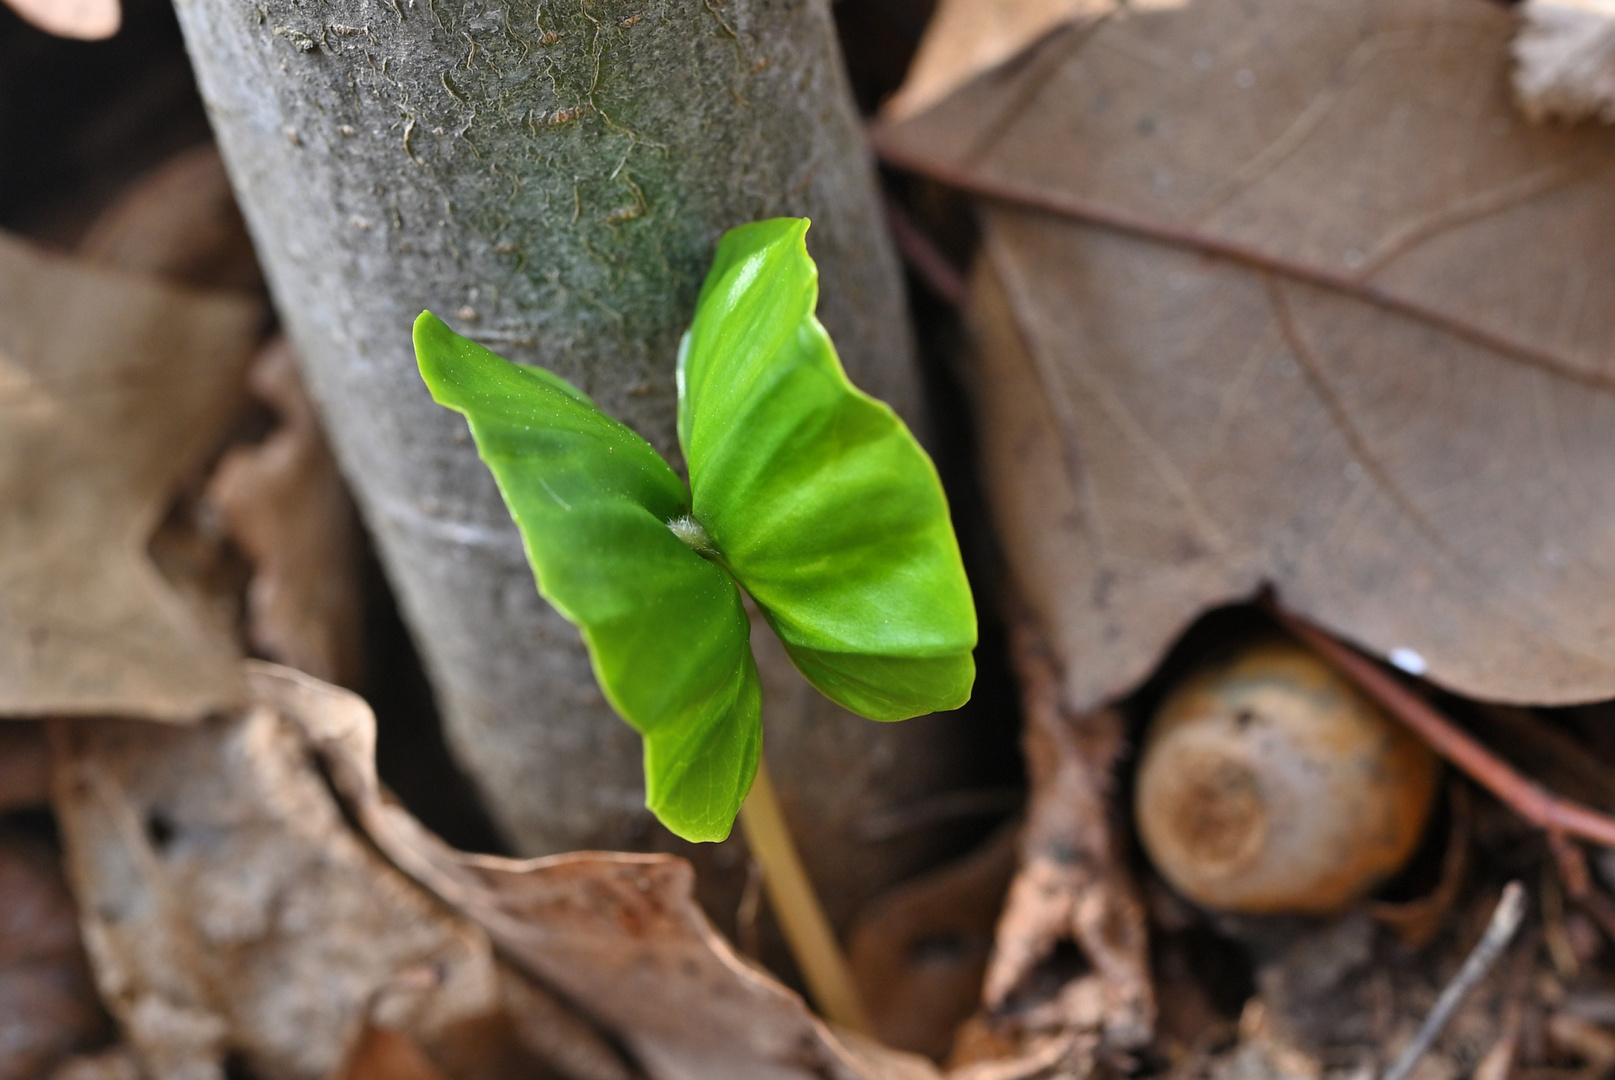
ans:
x=551 y=178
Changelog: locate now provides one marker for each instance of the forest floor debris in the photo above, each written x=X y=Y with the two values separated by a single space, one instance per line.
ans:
x=253 y=903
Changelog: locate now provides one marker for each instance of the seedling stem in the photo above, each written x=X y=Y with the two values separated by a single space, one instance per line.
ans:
x=796 y=905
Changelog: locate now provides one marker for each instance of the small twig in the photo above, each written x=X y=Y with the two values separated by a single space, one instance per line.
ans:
x=923 y=256
x=796 y=905
x=1552 y=906
x=1542 y=808
x=1500 y=931
x=1577 y=879
x=1571 y=862
x=1498 y=1063
x=1558 y=817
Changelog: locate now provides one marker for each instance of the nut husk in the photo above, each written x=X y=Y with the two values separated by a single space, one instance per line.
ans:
x=1268 y=784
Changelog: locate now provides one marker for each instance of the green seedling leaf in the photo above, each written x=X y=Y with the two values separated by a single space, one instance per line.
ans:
x=665 y=628
x=807 y=492
x=821 y=502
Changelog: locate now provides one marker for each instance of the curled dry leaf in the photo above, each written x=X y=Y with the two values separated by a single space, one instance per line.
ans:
x=1564 y=60
x=286 y=507
x=619 y=935
x=1292 y=296
x=918 y=952
x=112 y=388
x=48 y=1005
x=87 y=20
x=1073 y=883
x=229 y=909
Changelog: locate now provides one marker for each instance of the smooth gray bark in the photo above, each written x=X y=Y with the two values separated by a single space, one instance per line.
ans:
x=550 y=178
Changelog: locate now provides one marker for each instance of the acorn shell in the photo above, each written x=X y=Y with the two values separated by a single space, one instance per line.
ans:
x=1268 y=784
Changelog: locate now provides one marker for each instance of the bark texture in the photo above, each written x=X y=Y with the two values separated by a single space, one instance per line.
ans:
x=550 y=178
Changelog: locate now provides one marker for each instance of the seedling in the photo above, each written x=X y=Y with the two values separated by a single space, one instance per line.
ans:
x=804 y=491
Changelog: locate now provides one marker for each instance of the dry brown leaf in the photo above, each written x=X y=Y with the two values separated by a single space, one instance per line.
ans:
x=24 y=767
x=1073 y=883
x=965 y=38
x=557 y=1034
x=385 y=1054
x=87 y=20
x=229 y=909
x=1564 y=60
x=37 y=918
x=875 y=1061
x=918 y=951
x=1263 y=1054
x=120 y=1062
x=48 y=1006
x=1052 y=1056
x=1592 y=1043
x=112 y=388
x=179 y=222
x=286 y=507
x=1304 y=303
x=619 y=935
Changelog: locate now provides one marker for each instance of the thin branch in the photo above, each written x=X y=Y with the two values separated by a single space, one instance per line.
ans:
x=923 y=256
x=1500 y=931
x=1558 y=817
x=1571 y=863
x=1540 y=807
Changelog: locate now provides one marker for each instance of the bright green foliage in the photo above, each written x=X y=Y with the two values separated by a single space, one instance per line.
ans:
x=664 y=626
x=809 y=493
x=821 y=502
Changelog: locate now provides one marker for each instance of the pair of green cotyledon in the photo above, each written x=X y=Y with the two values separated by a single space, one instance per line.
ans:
x=804 y=491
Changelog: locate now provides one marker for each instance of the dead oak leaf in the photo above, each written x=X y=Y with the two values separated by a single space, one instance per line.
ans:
x=229 y=908
x=112 y=388
x=1294 y=297
x=621 y=936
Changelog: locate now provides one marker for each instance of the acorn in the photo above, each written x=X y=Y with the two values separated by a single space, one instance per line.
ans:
x=1268 y=784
